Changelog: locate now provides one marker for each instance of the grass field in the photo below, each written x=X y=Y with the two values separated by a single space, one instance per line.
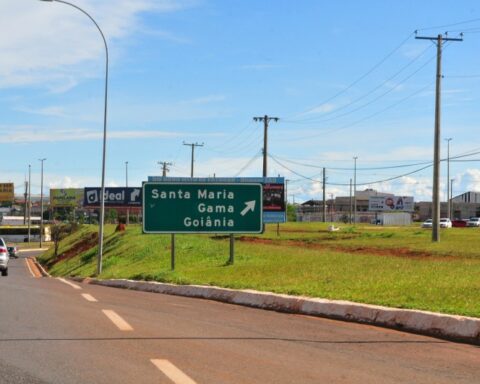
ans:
x=397 y=267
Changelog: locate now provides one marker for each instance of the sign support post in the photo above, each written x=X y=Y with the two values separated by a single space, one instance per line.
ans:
x=172 y=255
x=232 y=249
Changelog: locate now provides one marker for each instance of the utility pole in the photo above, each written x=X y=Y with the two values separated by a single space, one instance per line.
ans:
x=439 y=40
x=324 y=198
x=450 y=203
x=193 y=145
x=351 y=202
x=41 y=204
x=355 y=189
x=127 y=221
x=266 y=119
x=449 y=213
x=331 y=207
x=165 y=169
x=29 y=200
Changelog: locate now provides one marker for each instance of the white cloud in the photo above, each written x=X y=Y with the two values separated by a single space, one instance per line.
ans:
x=468 y=181
x=29 y=134
x=52 y=111
x=41 y=42
x=323 y=108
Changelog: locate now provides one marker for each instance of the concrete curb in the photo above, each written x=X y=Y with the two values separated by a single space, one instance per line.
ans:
x=32 y=250
x=40 y=267
x=458 y=328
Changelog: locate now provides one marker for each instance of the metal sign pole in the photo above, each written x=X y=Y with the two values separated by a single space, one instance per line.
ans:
x=232 y=249
x=172 y=247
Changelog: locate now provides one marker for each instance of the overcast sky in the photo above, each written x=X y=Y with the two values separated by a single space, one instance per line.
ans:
x=346 y=78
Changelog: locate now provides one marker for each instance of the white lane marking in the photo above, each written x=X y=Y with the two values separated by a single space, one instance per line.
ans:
x=74 y=286
x=117 y=320
x=30 y=269
x=89 y=297
x=172 y=372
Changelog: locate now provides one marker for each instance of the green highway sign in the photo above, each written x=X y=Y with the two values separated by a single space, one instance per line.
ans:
x=202 y=207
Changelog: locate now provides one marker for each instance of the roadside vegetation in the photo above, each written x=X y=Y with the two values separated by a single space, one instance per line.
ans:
x=398 y=267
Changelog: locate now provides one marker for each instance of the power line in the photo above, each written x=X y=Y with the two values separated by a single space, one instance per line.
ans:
x=350 y=169
x=341 y=92
x=371 y=182
x=450 y=25
x=373 y=90
x=364 y=118
x=361 y=184
x=250 y=162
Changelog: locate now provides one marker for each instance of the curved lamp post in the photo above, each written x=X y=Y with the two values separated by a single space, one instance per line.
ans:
x=102 y=194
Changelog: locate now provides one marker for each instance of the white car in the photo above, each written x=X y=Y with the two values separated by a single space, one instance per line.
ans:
x=427 y=223
x=473 y=222
x=445 y=223
x=4 y=257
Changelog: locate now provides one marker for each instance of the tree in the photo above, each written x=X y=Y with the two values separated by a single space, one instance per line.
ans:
x=58 y=232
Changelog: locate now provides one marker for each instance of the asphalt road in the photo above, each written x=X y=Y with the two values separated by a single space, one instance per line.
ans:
x=54 y=332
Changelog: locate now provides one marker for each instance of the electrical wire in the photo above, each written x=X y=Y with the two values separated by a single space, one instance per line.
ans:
x=373 y=90
x=234 y=136
x=372 y=182
x=450 y=25
x=351 y=85
x=350 y=169
x=364 y=118
x=250 y=162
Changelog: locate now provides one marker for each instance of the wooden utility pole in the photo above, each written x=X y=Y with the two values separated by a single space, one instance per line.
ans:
x=165 y=169
x=355 y=190
x=324 y=199
x=351 y=202
x=266 y=119
x=193 y=145
x=439 y=40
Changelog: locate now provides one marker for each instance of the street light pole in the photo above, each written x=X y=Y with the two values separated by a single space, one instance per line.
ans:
x=102 y=194
x=41 y=204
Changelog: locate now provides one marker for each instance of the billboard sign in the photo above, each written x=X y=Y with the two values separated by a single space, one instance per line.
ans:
x=113 y=197
x=202 y=207
x=6 y=192
x=69 y=197
x=391 y=203
x=274 y=208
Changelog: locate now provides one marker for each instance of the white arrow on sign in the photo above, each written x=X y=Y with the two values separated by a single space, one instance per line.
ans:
x=250 y=206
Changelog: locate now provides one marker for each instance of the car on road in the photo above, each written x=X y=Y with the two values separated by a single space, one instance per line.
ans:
x=4 y=257
x=427 y=223
x=12 y=251
x=473 y=222
x=445 y=222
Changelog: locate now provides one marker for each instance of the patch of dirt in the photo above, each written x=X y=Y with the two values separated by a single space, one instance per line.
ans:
x=397 y=252
x=79 y=247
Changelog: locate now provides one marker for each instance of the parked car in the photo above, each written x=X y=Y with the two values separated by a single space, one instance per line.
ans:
x=12 y=251
x=459 y=223
x=3 y=258
x=473 y=222
x=427 y=223
x=445 y=222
